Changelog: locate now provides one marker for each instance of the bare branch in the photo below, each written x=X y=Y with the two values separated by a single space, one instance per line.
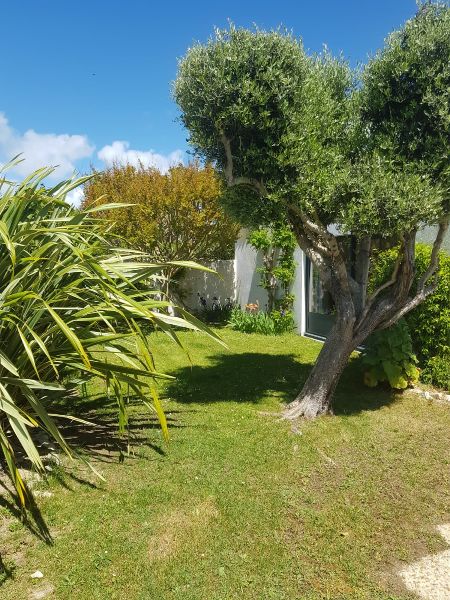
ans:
x=422 y=291
x=317 y=258
x=385 y=285
x=228 y=159
x=412 y=303
x=434 y=259
x=362 y=265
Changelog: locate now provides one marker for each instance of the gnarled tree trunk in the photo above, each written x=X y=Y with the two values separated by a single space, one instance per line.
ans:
x=316 y=396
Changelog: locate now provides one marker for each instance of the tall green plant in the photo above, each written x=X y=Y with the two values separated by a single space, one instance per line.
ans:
x=277 y=245
x=429 y=323
x=72 y=306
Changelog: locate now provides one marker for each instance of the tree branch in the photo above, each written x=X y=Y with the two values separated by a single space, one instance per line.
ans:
x=229 y=174
x=434 y=259
x=422 y=291
x=385 y=285
x=362 y=265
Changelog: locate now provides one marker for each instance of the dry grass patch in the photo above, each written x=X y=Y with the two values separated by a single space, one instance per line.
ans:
x=177 y=527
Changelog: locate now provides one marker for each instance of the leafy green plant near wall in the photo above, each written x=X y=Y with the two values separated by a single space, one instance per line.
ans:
x=277 y=273
x=274 y=323
x=429 y=323
x=388 y=357
x=277 y=245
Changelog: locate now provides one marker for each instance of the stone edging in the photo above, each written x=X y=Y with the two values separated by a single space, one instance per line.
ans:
x=439 y=396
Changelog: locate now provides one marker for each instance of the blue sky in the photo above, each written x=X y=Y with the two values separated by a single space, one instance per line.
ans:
x=85 y=81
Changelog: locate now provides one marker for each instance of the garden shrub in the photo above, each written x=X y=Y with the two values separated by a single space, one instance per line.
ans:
x=388 y=357
x=429 y=323
x=437 y=371
x=216 y=316
x=273 y=323
x=283 y=320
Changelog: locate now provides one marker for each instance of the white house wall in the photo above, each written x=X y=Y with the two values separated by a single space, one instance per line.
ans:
x=239 y=279
x=299 y=291
x=247 y=278
x=209 y=285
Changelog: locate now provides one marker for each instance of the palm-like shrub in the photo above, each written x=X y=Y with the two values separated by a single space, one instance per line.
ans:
x=72 y=306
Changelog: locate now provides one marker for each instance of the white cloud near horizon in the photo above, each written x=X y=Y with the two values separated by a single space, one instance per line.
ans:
x=42 y=149
x=120 y=152
x=62 y=151
x=75 y=197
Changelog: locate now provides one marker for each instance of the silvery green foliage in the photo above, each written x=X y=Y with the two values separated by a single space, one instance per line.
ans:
x=406 y=94
x=245 y=84
x=301 y=125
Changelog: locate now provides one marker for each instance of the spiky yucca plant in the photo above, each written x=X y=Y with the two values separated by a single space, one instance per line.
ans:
x=71 y=308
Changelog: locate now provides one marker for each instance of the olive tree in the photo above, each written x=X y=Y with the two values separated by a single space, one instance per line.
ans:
x=300 y=138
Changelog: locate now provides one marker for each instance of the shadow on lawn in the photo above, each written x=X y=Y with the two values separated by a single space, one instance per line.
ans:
x=32 y=518
x=101 y=440
x=247 y=377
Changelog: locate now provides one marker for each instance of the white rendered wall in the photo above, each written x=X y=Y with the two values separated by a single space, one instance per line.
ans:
x=208 y=284
x=299 y=291
x=247 y=278
x=239 y=279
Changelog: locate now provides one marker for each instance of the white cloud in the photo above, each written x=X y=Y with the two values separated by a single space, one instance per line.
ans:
x=75 y=197
x=64 y=150
x=42 y=149
x=121 y=153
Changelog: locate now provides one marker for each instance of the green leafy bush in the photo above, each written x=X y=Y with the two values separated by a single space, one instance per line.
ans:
x=283 y=320
x=274 y=323
x=388 y=357
x=216 y=316
x=429 y=323
x=72 y=306
x=437 y=371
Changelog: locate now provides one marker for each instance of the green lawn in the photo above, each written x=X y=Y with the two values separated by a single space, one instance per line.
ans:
x=238 y=506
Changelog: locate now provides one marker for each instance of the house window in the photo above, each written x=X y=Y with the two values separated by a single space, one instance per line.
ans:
x=319 y=304
x=320 y=309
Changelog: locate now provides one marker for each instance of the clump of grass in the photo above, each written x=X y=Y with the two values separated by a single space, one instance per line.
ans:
x=274 y=323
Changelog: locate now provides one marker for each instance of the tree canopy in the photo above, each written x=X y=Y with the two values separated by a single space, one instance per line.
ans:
x=406 y=93
x=304 y=138
x=289 y=129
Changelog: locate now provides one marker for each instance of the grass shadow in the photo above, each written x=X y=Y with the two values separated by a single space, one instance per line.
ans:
x=245 y=377
x=31 y=518
x=5 y=571
x=102 y=442
x=248 y=377
x=353 y=397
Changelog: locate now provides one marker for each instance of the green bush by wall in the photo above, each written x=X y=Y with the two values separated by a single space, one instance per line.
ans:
x=429 y=323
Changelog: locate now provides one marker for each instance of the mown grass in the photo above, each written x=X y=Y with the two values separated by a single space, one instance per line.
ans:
x=238 y=505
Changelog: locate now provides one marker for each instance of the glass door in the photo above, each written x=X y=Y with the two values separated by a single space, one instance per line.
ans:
x=320 y=313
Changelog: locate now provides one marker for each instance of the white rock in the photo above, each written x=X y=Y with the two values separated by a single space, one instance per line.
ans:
x=43 y=494
x=37 y=575
x=429 y=577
